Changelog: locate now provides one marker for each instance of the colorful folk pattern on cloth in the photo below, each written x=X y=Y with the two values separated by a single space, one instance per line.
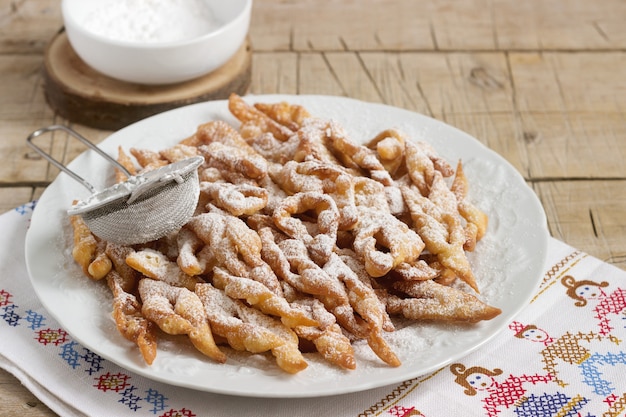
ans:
x=564 y=355
x=124 y=390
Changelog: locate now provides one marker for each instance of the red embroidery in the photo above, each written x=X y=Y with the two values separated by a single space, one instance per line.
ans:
x=399 y=411
x=183 y=412
x=612 y=304
x=510 y=391
x=5 y=298
x=616 y=404
x=54 y=337
x=112 y=382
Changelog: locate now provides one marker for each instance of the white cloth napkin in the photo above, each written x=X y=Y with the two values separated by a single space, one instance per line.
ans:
x=564 y=355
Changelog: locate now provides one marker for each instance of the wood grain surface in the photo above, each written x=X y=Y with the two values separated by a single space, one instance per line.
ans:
x=82 y=95
x=543 y=83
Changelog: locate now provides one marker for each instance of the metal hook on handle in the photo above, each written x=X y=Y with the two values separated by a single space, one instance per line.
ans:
x=84 y=140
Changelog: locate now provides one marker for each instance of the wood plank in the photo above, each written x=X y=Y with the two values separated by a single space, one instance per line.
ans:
x=352 y=76
x=19 y=164
x=569 y=82
x=563 y=24
x=279 y=25
x=21 y=86
x=498 y=131
x=438 y=84
x=13 y=197
x=16 y=400
x=575 y=145
x=27 y=26
x=588 y=215
x=316 y=77
x=339 y=26
x=450 y=25
x=274 y=73
x=466 y=25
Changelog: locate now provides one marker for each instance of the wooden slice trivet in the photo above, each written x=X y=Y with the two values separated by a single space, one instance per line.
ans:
x=82 y=95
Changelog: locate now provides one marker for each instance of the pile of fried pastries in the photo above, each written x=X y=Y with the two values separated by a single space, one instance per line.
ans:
x=304 y=240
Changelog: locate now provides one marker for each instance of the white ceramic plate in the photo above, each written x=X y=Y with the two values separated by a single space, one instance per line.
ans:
x=508 y=262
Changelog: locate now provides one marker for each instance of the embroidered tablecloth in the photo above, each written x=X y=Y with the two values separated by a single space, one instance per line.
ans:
x=564 y=355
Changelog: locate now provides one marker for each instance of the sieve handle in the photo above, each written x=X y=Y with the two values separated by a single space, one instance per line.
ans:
x=84 y=140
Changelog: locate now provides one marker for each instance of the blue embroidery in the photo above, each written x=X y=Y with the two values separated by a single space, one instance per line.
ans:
x=35 y=319
x=592 y=375
x=10 y=315
x=129 y=399
x=156 y=399
x=26 y=208
x=70 y=355
x=94 y=360
x=550 y=405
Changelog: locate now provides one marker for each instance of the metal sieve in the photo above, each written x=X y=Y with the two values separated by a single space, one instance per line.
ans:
x=145 y=207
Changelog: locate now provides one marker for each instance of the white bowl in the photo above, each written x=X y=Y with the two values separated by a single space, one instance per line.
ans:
x=154 y=61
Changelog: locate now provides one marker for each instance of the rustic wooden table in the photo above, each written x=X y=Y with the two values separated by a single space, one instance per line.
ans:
x=543 y=83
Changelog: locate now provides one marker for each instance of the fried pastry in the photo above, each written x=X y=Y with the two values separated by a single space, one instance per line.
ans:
x=443 y=234
x=130 y=321
x=246 y=328
x=432 y=301
x=156 y=265
x=179 y=311
x=89 y=251
x=303 y=240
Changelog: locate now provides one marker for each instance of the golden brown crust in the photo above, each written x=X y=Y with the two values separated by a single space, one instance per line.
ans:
x=301 y=237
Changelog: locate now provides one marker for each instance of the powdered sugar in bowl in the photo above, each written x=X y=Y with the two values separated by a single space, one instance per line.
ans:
x=156 y=41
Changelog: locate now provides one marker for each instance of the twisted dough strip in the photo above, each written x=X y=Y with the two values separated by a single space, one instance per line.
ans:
x=327 y=336
x=422 y=161
x=178 y=311
x=178 y=152
x=442 y=233
x=360 y=155
x=290 y=115
x=234 y=246
x=322 y=241
x=308 y=277
x=236 y=199
x=390 y=148
x=126 y=161
x=155 y=265
x=129 y=320
x=258 y=295
x=127 y=277
x=268 y=146
x=148 y=159
x=89 y=251
x=194 y=257
x=222 y=233
x=249 y=114
x=246 y=328
x=433 y=301
x=378 y=228
x=341 y=292
x=218 y=131
x=233 y=161
x=366 y=304
x=476 y=220
x=323 y=177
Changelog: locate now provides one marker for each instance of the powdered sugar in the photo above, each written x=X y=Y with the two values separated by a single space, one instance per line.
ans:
x=505 y=268
x=151 y=21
